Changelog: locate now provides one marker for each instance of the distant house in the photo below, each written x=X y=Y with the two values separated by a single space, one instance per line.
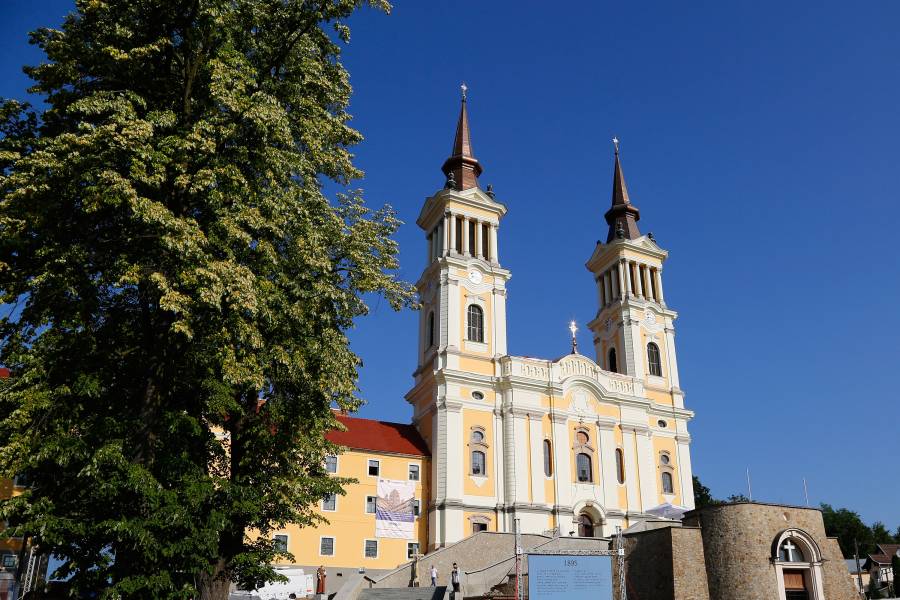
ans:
x=858 y=574
x=878 y=565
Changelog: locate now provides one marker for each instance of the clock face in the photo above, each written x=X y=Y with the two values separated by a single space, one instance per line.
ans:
x=475 y=276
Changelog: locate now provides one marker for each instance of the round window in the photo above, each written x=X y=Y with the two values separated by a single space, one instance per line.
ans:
x=477 y=436
x=478 y=395
x=582 y=437
x=662 y=423
x=664 y=459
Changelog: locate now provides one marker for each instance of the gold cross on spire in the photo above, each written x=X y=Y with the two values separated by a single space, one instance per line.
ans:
x=464 y=89
x=616 y=144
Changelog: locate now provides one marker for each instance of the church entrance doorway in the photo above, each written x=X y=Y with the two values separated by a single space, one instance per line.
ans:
x=585 y=526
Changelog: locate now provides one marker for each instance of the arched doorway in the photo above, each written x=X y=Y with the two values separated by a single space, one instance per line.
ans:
x=585 y=525
x=798 y=566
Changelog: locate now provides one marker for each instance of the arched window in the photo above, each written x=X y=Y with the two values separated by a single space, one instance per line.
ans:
x=478 y=462
x=667 y=484
x=611 y=360
x=790 y=552
x=620 y=465
x=548 y=459
x=431 y=329
x=585 y=526
x=475 y=323
x=583 y=467
x=653 y=359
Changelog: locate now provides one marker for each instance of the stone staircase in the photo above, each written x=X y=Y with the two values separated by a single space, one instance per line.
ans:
x=408 y=593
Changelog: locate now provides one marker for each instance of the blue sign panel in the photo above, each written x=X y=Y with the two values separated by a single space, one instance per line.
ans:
x=569 y=577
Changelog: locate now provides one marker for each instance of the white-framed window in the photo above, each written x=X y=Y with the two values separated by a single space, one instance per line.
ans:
x=331 y=465
x=584 y=467
x=8 y=560
x=374 y=468
x=371 y=549
x=475 y=323
x=329 y=502
x=412 y=548
x=326 y=546
x=281 y=542
x=478 y=463
x=370 y=505
x=653 y=361
x=416 y=509
x=667 y=483
x=413 y=472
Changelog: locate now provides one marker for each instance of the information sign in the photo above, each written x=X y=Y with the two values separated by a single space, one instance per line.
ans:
x=569 y=577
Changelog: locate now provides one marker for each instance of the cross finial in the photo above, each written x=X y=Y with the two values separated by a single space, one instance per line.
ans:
x=615 y=141
x=573 y=328
x=464 y=89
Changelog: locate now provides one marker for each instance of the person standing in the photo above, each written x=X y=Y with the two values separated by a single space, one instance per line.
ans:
x=433 y=576
x=454 y=579
x=321 y=574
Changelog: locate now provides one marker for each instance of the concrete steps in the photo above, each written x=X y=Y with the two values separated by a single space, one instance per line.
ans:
x=408 y=593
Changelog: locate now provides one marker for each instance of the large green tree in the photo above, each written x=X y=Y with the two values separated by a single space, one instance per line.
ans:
x=850 y=530
x=179 y=287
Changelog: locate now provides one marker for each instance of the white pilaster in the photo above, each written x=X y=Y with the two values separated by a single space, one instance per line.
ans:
x=521 y=457
x=537 y=459
x=499 y=462
x=673 y=362
x=685 y=471
x=499 y=296
x=457 y=456
x=608 y=464
x=509 y=449
x=562 y=466
x=659 y=290
x=453 y=314
x=647 y=468
x=631 y=470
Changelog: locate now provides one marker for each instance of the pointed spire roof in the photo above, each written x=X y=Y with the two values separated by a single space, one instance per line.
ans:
x=622 y=216
x=462 y=164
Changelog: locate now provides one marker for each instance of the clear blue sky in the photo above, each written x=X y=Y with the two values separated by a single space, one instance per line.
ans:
x=760 y=141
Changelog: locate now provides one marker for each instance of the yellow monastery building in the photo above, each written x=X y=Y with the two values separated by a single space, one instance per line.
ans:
x=576 y=445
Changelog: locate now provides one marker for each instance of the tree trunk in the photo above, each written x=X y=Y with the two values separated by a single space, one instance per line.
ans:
x=215 y=585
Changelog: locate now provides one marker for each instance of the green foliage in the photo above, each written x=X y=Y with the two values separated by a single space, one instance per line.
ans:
x=848 y=527
x=702 y=495
x=169 y=260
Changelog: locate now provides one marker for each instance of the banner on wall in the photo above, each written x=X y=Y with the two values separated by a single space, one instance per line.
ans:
x=394 y=509
x=569 y=577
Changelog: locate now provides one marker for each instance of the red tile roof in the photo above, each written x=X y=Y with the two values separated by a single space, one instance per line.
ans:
x=379 y=436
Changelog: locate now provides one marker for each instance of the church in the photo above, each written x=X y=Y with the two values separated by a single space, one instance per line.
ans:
x=577 y=445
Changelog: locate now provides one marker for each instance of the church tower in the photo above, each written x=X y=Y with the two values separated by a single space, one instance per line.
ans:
x=462 y=331
x=633 y=329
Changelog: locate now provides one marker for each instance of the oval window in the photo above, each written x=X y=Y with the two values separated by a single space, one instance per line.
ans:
x=662 y=423
x=478 y=395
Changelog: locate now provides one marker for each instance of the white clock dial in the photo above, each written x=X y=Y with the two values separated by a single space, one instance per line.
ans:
x=475 y=276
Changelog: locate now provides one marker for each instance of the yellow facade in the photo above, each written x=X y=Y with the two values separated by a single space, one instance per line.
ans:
x=349 y=525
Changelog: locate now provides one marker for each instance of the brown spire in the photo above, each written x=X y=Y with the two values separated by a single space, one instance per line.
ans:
x=622 y=215
x=462 y=166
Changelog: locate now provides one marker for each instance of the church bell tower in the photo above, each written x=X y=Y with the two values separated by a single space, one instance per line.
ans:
x=633 y=329
x=462 y=326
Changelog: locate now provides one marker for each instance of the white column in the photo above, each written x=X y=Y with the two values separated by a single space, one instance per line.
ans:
x=537 y=459
x=623 y=280
x=445 y=234
x=659 y=291
x=615 y=283
x=670 y=354
x=494 y=253
x=648 y=286
x=647 y=468
x=479 y=248
x=684 y=470
x=631 y=470
x=465 y=240
x=452 y=244
x=638 y=284
x=562 y=466
x=608 y=464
